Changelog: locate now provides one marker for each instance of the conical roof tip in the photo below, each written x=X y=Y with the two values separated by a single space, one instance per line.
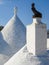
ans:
x=15 y=10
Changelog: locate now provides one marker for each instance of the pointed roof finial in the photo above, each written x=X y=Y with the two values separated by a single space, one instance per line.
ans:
x=15 y=10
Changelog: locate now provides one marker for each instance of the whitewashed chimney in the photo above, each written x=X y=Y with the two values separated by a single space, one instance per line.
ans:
x=37 y=37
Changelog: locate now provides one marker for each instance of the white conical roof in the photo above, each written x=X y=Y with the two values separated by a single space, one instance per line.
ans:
x=14 y=33
x=13 y=38
x=23 y=57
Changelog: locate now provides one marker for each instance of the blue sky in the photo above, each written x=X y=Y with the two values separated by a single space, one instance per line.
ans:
x=24 y=10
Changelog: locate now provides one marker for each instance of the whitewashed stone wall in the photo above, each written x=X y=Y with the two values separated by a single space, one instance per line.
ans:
x=48 y=43
x=36 y=37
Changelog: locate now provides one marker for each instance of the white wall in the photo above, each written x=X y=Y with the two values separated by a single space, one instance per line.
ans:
x=30 y=37
x=37 y=37
x=47 y=43
x=41 y=39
